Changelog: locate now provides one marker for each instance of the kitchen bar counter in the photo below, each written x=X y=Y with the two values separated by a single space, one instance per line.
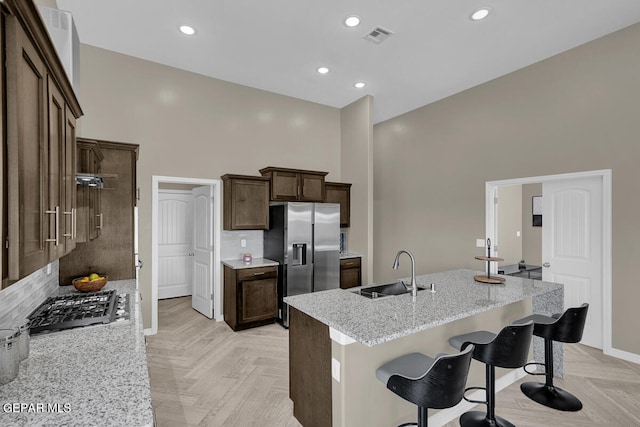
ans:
x=375 y=321
x=91 y=376
x=346 y=337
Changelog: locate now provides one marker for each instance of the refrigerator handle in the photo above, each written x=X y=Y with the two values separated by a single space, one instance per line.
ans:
x=299 y=254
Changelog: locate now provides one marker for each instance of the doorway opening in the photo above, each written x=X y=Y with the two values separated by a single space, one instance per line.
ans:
x=601 y=204
x=200 y=265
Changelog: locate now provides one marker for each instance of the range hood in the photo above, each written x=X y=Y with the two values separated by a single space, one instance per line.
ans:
x=89 y=180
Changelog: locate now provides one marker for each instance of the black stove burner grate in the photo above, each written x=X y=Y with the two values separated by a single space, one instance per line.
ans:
x=73 y=310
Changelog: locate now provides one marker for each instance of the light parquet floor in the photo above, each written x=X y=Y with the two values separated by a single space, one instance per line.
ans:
x=204 y=374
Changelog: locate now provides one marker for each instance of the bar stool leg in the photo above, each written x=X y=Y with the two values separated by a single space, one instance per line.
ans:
x=547 y=394
x=489 y=418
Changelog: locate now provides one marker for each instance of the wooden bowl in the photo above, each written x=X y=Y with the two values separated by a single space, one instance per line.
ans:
x=91 y=285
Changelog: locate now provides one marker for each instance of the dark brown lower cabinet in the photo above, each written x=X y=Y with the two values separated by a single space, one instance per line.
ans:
x=310 y=370
x=250 y=296
x=350 y=273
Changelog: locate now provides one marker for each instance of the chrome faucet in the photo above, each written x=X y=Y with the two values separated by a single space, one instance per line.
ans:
x=413 y=284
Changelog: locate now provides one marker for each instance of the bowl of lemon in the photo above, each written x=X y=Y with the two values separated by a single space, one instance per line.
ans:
x=91 y=283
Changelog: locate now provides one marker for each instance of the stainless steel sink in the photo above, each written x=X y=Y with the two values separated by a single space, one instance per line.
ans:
x=387 y=290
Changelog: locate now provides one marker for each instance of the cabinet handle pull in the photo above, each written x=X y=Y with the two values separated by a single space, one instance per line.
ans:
x=348 y=263
x=68 y=235
x=56 y=216
x=258 y=274
x=74 y=220
x=99 y=226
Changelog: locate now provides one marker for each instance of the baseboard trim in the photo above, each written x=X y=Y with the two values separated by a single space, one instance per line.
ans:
x=447 y=415
x=624 y=355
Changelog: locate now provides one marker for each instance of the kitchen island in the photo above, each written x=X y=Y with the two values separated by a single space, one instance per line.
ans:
x=91 y=376
x=338 y=338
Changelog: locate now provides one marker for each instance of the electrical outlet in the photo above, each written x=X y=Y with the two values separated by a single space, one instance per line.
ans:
x=517 y=233
x=479 y=243
x=243 y=243
x=335 y=369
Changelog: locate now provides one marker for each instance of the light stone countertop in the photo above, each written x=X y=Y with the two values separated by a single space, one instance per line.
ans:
x=91 y=376
x=237 y=264
x=375 y=321
x=346 y=255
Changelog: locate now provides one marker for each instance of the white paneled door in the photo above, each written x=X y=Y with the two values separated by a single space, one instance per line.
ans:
x=175 y=243
x=202 y=298
x=572 y=246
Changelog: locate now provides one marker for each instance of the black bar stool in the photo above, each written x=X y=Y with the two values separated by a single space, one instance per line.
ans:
x=566 y=328
x=507 y=349
x=429 y=383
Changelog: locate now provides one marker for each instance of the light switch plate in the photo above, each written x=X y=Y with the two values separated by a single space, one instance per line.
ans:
x=335 y=369
x=243 y=243
x=479 y=243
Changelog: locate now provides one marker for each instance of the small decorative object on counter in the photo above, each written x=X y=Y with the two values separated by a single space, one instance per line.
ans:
x=489 y=259
x=23 y=340
x=91 y=283
x=522 y=265
x=246 y=258
x=9 y=355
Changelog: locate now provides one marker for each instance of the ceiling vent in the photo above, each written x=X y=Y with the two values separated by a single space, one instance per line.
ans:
x=378 y=35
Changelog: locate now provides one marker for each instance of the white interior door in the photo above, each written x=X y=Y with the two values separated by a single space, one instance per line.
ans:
x=572 y=246
x=202 y=297
x=175 y=243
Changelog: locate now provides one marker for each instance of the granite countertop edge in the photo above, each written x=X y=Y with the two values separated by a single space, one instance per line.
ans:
x=238 y=264
x=95 y=375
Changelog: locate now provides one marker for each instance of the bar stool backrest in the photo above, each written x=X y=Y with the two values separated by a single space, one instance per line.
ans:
x=568 y=328
x=509 y=349
x=442 y=386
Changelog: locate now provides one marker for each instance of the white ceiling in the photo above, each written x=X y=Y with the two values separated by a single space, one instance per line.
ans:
x=277 y=45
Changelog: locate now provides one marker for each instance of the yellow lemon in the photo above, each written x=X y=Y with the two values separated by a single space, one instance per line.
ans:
x=94 y=276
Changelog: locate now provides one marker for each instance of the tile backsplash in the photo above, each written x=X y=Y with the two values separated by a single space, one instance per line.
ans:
x=231 y=248
x=24 y=296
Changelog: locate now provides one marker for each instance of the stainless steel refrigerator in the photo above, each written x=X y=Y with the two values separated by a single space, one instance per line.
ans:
x=305 y=239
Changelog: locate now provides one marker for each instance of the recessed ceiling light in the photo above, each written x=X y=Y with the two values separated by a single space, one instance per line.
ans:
x=185 y=29
x=359 y=85
x=352 y=21
x=323 y=70
x=480 y=14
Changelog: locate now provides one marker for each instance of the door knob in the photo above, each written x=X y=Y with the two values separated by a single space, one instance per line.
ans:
x=546 y=265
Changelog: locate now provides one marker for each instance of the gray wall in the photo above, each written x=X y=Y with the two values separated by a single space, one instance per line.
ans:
x=576 y=111
x=356 y=165
x=509 y=213
x=531 y=236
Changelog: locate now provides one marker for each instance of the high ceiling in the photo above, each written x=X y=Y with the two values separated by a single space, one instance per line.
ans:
x=435 y=51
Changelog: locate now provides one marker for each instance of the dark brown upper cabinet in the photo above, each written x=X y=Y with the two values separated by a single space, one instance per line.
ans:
x=246 y=202
x=89 y=214
x=38 y=115
x=295 y=184
x=337 y=192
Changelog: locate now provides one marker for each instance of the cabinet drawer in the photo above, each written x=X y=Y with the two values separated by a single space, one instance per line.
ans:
x=350 y=262
x=256 y=273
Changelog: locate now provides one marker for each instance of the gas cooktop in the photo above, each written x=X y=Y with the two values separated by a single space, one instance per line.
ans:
x=77 y=310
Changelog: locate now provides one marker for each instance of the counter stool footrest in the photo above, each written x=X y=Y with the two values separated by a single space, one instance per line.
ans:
x=537 y=364
x=484 y=402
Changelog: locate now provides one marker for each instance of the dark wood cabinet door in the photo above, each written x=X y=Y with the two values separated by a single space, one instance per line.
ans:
x=69 y=212
x=258 y=300
x=246 y=203
x=56 y=168
x=312 y=187
x=27 y=154
x=340 y=193
x=350 y=273
x=285 y=186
